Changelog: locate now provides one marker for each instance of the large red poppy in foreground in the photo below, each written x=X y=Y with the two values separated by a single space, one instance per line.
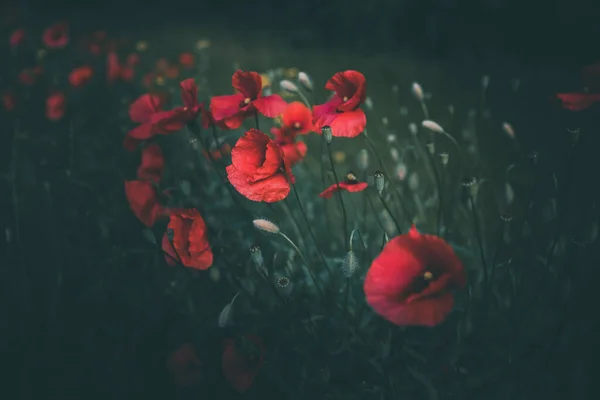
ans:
x=258 y=169
x=411 y=281
x=342 y=112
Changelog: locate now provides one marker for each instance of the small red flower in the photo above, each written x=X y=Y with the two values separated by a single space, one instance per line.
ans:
x=350 y=184
x=189 y=240
x=411 y=281
x=8 y=101
x=56 y=106
x=342 y=112
x=233 y=109
x=116 y=71
x=152 y=165
x=258 y=169
x=297 y=119
x=186 y=60
x=56 y=36
x=189 y=96
x=147 y=111
x=578 y=101
x=16 y=38
x=143 y=201
x=242 y=360
x=185 y=366
x=80 y=76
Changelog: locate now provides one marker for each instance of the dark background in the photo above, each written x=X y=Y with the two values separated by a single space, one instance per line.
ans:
x=534 y=32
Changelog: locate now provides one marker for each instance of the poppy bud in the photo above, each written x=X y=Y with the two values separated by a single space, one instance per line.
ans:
x=508 y=129
x=412 y=127
x=362 y=159
x=305 y=81
x=432 y=126
x=506 y=218
x=257 y=258
x=444 y=158
x=379 y=181
x=284 y=284
x=417 y=91
x=327 y=134
x=266 y=226
x=288 y=86
x=469 y=186
x=430 y=147
x=350 y=264
x=574 y=134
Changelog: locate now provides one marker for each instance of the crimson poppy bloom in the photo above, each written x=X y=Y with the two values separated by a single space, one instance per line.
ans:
x=143 y=201
x=152 y=165
x=189 y=96
x=297 y=119
x=258 y=169
x=56 y=105
x=186 y=60
x=185 y=366
x=56 y=36
x=411 y=281
x=350 y=184
x=233 y=109
x=8 y=101
x=80 y=76
x=189 y=240
x=342 y=112
x=578 y=101
x=242 y=360
x=16 y=38
x=147 y=111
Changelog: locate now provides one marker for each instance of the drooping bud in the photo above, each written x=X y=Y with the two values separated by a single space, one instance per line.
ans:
x=305 y=81
x=379 y=181
x=508 y=129
x=266 y=226
x=417 y=91
x=288 y=86
x=327 y=134
x=432 y=126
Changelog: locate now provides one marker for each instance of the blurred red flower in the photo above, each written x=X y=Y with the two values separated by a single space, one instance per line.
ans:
x=143 y=201
x=189 y=240
x=297 y=119
x=258 y=169
x=186 y=60
x=350 y=184
x=56 y=106
x=152 y=165
x=8 y=101
x=411 y=281
x=342 y=112
x=233 y=109
x=56 y=36
x=80 y=76
x=242 y=360
x=578 y=101
x=189 y=96
x=28 y=76
x=16 y=38
x=185 y=366
x=115 y=70
x=147 y=111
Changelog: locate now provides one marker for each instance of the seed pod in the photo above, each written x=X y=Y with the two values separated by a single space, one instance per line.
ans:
x=444 y=158
x=379 y=181
x=257 y=259
x=327 y=134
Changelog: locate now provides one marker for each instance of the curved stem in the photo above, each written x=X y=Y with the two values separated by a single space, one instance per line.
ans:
x=306 y=264
x=389 y=212
x=339 y=193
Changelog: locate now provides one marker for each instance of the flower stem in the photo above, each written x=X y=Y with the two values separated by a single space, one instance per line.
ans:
x=256 y=120
x=389 y=213
x=480 y=245
x=339 y=193
x=306 y=264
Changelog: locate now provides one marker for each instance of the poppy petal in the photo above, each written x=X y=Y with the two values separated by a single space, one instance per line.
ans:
x=270 y=106
x=223 y=107
x=270 y=190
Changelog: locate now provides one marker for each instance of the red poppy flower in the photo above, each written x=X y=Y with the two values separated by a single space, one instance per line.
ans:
x=350 y=184
x=578 y=101
x=286 y=139
x=297 y=119
x=28 y=76
x=242 y=360
x=342 y=112
x=8 y=101
x=152 y=165
x=147 y=111
x=189 y=239
x=233 y=109
x=56 y=106
x=189 y=96
x=80 y=76
x=411 y=281
x=185 y=366
x=116 y=71
x=143 y=201
x=186 y=60
x=258 y=169
x=16 y=38
x=56 y=36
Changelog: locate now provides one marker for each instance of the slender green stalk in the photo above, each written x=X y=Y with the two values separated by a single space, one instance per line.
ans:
x=339 y=193
x=306 y=264
x=480 y=245
x=389 y=212
x=256 y=120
